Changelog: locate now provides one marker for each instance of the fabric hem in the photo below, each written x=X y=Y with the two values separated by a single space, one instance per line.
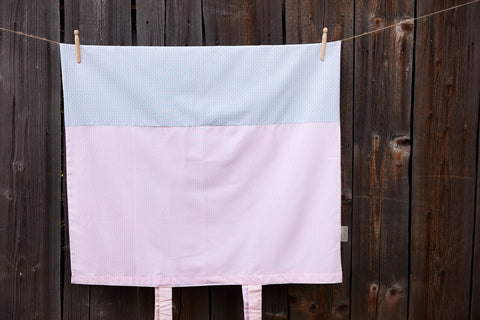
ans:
x=207 y=281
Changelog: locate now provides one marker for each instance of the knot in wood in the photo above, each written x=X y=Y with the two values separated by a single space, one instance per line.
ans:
x=406 y=26
x=378 y=21
x=450 y=87
x=9 y=195
x=19 y=166
x=401 y=143
x=341 y=309
x=347 y=195
x=394 y=293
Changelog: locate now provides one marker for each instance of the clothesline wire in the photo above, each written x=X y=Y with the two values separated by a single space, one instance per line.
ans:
x=344 y=39
x=410 y=20
x=29 y=35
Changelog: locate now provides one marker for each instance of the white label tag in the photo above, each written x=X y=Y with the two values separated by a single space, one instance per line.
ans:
x=344 y=236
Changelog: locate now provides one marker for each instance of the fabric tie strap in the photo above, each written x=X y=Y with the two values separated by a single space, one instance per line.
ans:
x=163 y=303
x=252 y=302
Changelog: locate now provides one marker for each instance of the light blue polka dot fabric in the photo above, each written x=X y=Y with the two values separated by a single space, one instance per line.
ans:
x=200 y=86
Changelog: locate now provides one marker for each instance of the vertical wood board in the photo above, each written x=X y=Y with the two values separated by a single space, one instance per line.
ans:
x=184 y=23
x=382 y=106
x=99 y=22
x=150 y=22
x=30 y=162
x=444 y=161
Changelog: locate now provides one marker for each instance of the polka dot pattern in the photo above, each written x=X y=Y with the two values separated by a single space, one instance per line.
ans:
x=200 y=86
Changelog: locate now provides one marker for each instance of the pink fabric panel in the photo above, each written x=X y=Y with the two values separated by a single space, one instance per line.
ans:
x=182 y=206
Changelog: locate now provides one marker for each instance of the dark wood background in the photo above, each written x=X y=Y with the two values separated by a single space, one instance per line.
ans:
x=410 y=141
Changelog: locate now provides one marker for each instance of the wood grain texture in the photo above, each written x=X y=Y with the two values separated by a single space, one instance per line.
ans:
x=269 y=21
x=444 y=162
x=339 y=19
x=226 y=302
x=241 y=22
x=184 y=23
x=229 y=22
x=99 y=22
x=30 y=162
x=304 y=22
x=146 y=303
x=150 y=22
x=191 y=303
x=275 y=302
x=444 y=183
x=475 y=293
x=112 y=302
x=382 y=102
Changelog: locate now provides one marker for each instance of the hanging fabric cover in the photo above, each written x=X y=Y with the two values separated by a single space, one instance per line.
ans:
x=193 y=166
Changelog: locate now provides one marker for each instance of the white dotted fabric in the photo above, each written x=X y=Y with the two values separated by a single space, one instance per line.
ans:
x=200 y=86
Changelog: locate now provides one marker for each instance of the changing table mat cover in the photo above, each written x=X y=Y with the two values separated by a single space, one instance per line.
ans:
x=191 y=166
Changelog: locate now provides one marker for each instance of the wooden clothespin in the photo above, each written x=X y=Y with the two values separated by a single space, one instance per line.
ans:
x=324 y=44
x=77 y=45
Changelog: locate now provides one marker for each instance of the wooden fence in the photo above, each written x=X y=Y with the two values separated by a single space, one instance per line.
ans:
x=410 y=140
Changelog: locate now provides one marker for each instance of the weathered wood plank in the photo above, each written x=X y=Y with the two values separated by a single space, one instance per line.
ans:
x=108 y=23
x=146 y=303
x=475 y=294
x=310 y=301
x=112 y=302
x=383 y=86
x=229 y=22
x=443 y=177
x=184 y=23
x=99 y=22
x=30 y=162
x=191 y=303
x=275 y=302
x=226 y=303
x=150 y=22
x=269 y=21
x=304 y=23
x=242 y=22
